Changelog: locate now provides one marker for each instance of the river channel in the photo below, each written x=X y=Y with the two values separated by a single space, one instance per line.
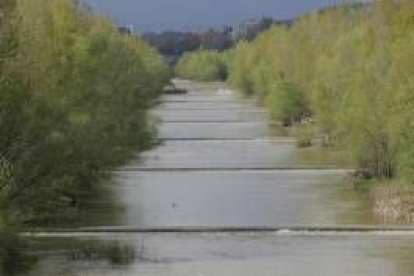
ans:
x=205 y=201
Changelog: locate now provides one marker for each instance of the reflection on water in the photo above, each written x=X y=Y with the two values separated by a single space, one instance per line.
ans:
x=238 y=198
x=200 y=116
x=243 y=130
x=246 y=254
x=218 y=154
x=227 y=186
x=206 y=105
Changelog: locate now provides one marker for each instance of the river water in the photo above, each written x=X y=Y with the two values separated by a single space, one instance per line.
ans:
x=219 y=167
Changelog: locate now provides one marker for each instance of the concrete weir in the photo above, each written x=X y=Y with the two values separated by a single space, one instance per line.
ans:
x=288 y=230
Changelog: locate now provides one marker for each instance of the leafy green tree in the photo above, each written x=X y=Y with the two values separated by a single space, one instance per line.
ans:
x=350 y=68
x=202 y=65
x=74 y=95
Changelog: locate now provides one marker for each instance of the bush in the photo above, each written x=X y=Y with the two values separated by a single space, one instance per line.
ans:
x=202 y=65
x=286 y=103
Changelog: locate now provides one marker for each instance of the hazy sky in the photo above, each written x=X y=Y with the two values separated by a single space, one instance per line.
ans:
x=150 y=15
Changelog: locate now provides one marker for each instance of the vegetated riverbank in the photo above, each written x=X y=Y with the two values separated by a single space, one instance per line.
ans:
x=73 y=98
x=343 y=75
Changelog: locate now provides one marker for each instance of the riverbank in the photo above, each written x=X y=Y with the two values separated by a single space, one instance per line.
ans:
x=73 y=106
x=323 y=77
x=62 y=133
x=392 y=201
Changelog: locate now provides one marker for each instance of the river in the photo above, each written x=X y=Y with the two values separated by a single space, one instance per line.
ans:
x=229 y=198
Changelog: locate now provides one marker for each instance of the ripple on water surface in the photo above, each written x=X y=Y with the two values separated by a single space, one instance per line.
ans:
x=248 y=255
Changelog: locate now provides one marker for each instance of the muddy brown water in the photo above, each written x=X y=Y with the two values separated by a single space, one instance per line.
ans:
x=219 y=167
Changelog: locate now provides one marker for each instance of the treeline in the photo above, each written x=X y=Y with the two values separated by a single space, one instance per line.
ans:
x=173 y=44
x=73 y=98
x=202 y=65
x=347 y=69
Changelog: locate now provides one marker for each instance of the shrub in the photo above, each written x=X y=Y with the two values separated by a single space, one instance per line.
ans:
x=286 y=103
x=202 y=65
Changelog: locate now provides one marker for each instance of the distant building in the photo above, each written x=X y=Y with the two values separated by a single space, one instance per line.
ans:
x=251 y=28
x=243 y=29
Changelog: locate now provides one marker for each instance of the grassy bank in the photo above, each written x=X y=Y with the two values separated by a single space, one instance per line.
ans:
x=348 y=70
x=392 y=201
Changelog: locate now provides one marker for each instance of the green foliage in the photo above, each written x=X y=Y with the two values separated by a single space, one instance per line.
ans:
x=286 y=102
x=73 y=98
x=350 y=67
x=239 y=70
x=202 y=65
